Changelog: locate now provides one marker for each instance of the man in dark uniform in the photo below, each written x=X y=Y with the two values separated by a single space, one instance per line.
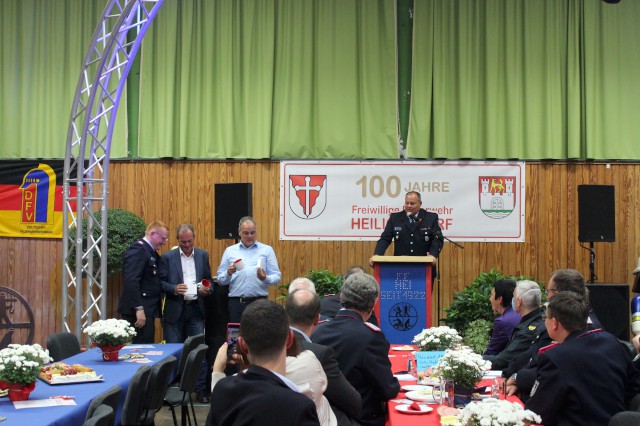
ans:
x=141 y=298
x=586 y=377
x=522 y=369
x=303 y=311
x=361 y=348
x=414 y=231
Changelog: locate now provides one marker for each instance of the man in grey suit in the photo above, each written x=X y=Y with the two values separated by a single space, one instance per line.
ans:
x=181 y=274
x=303 y=311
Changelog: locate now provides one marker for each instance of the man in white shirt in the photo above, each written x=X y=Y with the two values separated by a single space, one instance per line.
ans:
x=248 y=268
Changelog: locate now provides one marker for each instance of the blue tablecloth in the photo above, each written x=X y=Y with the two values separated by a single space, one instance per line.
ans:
x=114 y=373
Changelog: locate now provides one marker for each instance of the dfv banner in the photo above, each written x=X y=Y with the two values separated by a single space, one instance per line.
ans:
x=347 y=200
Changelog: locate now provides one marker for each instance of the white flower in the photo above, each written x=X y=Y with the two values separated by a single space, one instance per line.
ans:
x=21 y=363
x=110 y=332
x=437 y=338
x=497 y=413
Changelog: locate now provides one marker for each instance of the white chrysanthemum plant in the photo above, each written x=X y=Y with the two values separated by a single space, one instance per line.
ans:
x=437 y=339
x=464 y=367
x=22 y=363
x=496 y=412
x=110 y=332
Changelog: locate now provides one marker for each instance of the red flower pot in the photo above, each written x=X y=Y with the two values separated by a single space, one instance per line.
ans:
x=20 y=391
x=110 y=353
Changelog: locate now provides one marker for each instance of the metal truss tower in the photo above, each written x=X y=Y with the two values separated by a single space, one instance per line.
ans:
x=104 y=72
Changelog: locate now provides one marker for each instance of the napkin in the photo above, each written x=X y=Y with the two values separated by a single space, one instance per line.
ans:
x=415 y=406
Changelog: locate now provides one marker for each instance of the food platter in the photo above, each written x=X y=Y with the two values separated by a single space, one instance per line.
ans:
x=61 y=373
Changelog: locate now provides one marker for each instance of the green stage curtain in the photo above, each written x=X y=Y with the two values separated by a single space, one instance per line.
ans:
x=525 y=79
x=270 y=79
x=42 y=46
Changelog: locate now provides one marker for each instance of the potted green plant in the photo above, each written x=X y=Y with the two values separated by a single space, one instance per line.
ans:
x=123 y=229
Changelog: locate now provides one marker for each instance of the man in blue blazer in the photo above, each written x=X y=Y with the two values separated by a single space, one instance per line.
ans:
x=182 y=271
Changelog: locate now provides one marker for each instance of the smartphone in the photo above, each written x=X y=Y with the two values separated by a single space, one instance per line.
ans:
x=233 y=330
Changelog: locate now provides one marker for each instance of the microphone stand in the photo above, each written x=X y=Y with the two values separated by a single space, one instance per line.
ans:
x=592 y=262
x=441 y=237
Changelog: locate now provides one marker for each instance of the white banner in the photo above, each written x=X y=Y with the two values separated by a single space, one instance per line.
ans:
x=345 y=201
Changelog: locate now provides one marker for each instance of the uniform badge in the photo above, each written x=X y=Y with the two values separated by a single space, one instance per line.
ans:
x=373 y=327
x=532 y=327
x=534 y=388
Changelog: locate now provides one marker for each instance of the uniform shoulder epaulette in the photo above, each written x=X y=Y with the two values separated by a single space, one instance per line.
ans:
x=140 y=242
x=373 y=327
x=546 y=348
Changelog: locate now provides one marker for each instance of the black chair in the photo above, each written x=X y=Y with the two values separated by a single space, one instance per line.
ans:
x=190 y=344
x=109 y=397
x=625 y=418
x=135 y=398
x=181 y=395
x=62 y=345
x=103 y=415
x=157 y=388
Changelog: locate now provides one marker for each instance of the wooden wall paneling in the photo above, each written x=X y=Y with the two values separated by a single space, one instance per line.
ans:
x=183 y=191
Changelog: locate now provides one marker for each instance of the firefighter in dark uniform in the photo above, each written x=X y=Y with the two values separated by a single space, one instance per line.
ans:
x=361 y=349
x=141 y=297
x=587 y=376
x=414 y=231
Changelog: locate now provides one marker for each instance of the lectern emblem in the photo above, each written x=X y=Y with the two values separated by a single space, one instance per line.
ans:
x=403 y=316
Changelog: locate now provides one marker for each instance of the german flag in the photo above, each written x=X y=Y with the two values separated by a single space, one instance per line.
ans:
x=31 y=198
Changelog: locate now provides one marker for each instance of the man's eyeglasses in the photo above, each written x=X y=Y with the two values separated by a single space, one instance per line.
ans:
x=164 y=239
x=552 y=291
x=545 y=316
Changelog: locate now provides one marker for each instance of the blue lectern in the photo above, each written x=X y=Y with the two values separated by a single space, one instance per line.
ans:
x=404 y=306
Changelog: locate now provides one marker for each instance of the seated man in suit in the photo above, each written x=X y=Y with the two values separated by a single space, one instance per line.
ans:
x=586 y=377
x=262 y=395
x=303 y=311
x=361 y=348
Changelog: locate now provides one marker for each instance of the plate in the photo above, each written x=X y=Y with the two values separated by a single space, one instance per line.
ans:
x=409 y=388
x=403 y=348
x=72 y=381
x=404 y=408
x=422 y=396
x=429 y=381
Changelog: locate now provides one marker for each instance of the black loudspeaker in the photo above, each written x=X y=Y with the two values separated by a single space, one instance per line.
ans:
x=610 y=302
x=596 y=213
x=233 y=202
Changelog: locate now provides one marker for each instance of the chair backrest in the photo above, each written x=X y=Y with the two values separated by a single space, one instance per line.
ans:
x=191 y=369
x=102 y=416
x=190 y=344
x=136 y=395
x=109 y=397
x=625 y=418
x=157 y=387
x=62 y=345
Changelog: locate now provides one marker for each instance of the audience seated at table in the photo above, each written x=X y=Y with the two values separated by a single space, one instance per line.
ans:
x=261 y=394
x=526 y=302
x=303 y=309
x=330 y=304
x=587 y=376
x=522 y=370
x=361 y=348
x=507 y=319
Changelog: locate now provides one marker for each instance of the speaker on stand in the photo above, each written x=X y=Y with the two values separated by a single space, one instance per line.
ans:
x=233 y=201
x=596 y=218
